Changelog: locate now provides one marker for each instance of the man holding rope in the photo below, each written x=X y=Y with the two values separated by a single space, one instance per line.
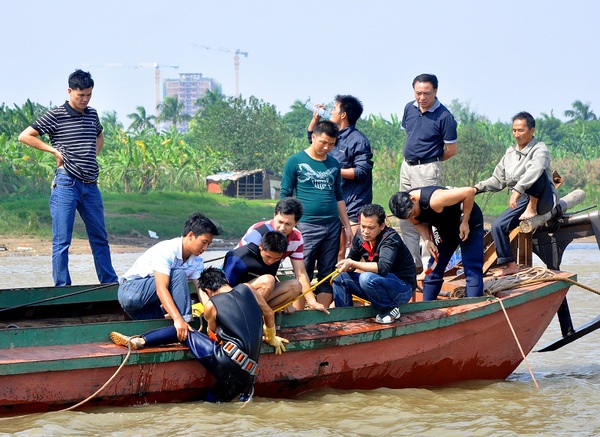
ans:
x=379 y=268
x=231 y=349
x=157 y=283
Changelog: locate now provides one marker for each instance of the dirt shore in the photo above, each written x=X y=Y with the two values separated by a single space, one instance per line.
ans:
x=11 y=246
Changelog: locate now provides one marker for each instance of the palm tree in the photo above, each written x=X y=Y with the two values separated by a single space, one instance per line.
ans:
x=109 y=118
x=171 y=110
x=580 y=111
x=141 y=120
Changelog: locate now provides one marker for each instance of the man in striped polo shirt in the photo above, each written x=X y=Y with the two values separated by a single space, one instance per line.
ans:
x=288 y=212
x=76 y=136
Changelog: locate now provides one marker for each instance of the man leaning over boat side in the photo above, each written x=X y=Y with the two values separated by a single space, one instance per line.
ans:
x=525 y=169
x=76 y=136
x=157 y=283
x=230 y=351
x=288 y=213
x=458 y=221
x=379 y=268
x=258 y=265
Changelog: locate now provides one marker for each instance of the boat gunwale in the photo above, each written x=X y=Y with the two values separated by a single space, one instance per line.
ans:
x=374 y=333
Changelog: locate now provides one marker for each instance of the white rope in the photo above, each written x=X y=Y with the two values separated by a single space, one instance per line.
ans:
x=517 y=341
x=92 y=396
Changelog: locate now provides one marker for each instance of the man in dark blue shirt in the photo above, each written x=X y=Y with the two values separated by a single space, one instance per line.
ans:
x=353 y=151
x=431 y=138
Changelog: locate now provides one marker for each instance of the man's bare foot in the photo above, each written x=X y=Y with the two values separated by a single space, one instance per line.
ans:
x=528 y=215
x=506 y=271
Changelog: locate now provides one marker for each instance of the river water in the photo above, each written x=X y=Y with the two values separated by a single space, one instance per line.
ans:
x=566 y=402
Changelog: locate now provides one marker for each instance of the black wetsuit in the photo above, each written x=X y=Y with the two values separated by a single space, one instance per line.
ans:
x=239 y=323
x=245 y=264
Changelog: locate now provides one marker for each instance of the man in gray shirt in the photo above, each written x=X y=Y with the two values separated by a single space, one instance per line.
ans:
x=524 y=169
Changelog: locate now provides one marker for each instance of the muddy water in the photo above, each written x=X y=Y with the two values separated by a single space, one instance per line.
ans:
x=566 y=403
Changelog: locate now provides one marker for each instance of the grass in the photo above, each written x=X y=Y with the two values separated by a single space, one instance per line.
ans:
x=129 y=214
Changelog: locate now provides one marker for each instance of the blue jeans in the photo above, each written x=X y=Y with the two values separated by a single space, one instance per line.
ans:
x=472 y=260
x=509 y=219
x=139 y=299
x=321 y=245
x=69 y=195
x=384 y=292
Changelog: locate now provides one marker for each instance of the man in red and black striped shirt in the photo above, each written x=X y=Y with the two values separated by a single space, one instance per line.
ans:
x=76 y=139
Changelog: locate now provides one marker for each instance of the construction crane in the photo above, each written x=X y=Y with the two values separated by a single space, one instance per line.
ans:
x=236 y=62
x=157 y=68
x=154 y=65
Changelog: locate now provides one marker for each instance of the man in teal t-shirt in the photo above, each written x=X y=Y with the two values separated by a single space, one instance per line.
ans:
x=315 y=178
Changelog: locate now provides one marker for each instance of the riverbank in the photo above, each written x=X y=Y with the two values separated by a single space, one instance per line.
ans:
x=25 y=246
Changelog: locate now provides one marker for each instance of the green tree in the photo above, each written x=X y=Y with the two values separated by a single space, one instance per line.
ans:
x=580 y=111
x=297 y=119
x=14 y=121
x=171 y=111
x=140 y=120
x=249 y=133
x=208 y=99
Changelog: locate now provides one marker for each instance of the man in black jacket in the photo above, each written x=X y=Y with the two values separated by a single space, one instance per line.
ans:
x=379 y=267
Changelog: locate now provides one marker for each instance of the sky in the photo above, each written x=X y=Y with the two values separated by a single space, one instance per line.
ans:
x=499 y=57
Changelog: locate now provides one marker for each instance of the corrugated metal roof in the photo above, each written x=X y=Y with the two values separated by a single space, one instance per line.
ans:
x=232 y=175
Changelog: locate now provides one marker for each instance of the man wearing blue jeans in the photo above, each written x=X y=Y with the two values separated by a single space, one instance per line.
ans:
x=76 y=136
x=315 y=178
x=157 y=283
x=379 y=268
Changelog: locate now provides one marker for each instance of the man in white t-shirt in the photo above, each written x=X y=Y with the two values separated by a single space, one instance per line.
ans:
x=158 y=280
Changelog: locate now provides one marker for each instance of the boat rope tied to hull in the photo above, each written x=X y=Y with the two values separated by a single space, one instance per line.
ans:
x=92 y=396
x=532 y=275
x=330 y=276
x=517 y=341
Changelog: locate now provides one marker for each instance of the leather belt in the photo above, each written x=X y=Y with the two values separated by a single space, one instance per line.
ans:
x=422 y=161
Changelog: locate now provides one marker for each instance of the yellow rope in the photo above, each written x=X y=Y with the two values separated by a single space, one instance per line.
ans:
x=332 y=275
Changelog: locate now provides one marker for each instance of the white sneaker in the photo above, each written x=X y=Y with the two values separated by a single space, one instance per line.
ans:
x=388 y=318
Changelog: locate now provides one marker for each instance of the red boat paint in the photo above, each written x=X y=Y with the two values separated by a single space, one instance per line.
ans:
x=426 y=348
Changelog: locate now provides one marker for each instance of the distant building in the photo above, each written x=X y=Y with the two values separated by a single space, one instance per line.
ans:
x=251 y=184
x=188 y=89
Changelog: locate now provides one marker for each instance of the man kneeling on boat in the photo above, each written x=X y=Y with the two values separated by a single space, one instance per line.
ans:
x=157 y=283
x=379 y=267
x=235 y=331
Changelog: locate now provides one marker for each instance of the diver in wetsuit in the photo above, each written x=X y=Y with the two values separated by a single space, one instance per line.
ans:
x=235 y=332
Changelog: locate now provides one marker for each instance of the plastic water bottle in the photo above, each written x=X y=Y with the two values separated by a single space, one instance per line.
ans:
x=323 y=113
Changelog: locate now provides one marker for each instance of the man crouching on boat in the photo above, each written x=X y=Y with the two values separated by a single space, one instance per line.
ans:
x=157 y=283
x=379 y=267
x=235 y=332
